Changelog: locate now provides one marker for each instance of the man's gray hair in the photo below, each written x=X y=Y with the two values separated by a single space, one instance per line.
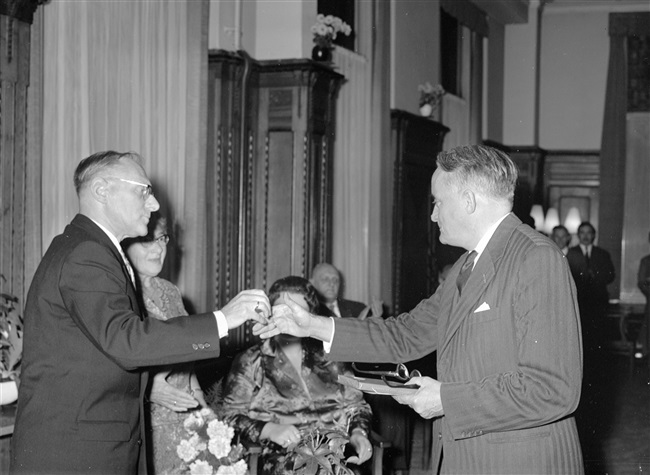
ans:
x=96 y=163
x=486 y=169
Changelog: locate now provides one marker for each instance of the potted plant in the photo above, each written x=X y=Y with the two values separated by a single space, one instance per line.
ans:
x=321 y=452
x=11 y=347
x=325 y=30
x=430 y=97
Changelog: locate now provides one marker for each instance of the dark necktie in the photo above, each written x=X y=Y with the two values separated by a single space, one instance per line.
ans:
x=465 y=271
x=587 y=258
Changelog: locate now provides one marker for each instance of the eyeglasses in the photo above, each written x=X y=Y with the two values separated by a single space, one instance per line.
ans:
x=400 y=373
x=146 y=192
x=163 y=240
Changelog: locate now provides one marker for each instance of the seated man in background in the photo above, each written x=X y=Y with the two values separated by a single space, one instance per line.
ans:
x=327 y=280
x=281 y=389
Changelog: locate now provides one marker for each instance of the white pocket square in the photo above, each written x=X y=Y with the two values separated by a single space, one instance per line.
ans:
x=482 y=308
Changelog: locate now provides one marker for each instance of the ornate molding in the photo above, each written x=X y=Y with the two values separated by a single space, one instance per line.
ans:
x=21 y=10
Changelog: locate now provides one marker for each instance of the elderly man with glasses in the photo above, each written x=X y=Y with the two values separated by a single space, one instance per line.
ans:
x=86 y=341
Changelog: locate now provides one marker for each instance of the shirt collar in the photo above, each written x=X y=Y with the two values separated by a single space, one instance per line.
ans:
x=482 y=244
x=110 y=236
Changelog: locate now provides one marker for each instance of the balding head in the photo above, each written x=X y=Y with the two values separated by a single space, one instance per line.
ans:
x=327 y=281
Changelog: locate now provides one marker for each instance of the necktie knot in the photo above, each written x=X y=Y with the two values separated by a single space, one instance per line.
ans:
x=465 y=271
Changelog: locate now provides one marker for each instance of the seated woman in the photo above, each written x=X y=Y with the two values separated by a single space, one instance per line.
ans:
x=283 y=387
x=174 y=390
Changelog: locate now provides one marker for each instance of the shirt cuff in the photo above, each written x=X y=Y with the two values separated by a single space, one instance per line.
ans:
x=222 y=323
x=327 y=345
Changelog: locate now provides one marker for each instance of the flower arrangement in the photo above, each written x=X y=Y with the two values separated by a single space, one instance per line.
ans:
x=11 y=338
x=321 y=451
x=208 y=448
x=430 y=96
x=327 y=28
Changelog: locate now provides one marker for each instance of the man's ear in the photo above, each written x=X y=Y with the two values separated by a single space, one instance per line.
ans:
x=469 y=201
x=99 y=189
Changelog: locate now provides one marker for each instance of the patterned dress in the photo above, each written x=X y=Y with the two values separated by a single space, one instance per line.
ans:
x=263 y=386
x=166 y=426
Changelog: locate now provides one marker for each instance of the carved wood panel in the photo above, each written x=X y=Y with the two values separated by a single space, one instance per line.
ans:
x=270 y=136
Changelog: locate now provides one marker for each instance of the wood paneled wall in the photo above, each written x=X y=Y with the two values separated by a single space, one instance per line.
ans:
x=270 y=145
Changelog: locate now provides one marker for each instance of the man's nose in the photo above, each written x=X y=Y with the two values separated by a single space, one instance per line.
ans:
x=152 y=203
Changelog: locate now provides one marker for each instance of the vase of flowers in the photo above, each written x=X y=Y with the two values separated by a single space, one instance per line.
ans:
x=11 y=348
x=325 y=31
x=208 y=448
x=430 y=97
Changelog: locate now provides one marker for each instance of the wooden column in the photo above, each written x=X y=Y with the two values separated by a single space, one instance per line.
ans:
x=15 y=23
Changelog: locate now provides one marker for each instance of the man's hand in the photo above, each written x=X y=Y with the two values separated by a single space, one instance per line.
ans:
x=361 y=445
x=426 y=400
x=247 y=305
x=168 y=396
x=289 y=318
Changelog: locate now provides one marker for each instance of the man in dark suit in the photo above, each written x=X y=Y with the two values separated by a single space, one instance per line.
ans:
x=80 y=403
x=592 y=270
x=327 y=280
x=504 y=323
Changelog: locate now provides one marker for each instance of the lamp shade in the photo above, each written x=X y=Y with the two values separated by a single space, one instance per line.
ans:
x=573 y=220
x=537 y=213
x=552 y=220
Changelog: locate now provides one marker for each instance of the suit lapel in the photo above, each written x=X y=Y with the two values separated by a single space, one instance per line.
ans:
x=462 y=306
x=89 y=226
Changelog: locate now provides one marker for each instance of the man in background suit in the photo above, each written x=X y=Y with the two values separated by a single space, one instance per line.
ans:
x=80 y=402
x=592 y=270
x=504 y=323
x=327 y=280
x=562 y=238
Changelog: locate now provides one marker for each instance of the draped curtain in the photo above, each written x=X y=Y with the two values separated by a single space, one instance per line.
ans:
x=623 y=167
x=361 y=152
x=125 y=76
x=352 y=172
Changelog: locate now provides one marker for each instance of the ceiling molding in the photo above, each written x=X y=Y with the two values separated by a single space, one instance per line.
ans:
x=570 y=6
x=505 y=11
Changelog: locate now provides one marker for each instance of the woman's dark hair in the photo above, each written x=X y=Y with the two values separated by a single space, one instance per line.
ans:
x=298 y=285
x=314 y=356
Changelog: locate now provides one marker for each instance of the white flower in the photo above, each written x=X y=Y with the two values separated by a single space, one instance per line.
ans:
x=193 y=422
x=201 y=467
x=186 y=451
x=220 y=430
x=197 y=442
x=240 y=468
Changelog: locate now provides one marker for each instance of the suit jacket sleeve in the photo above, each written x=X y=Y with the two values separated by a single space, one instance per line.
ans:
x=405 y=338
x=92 y=286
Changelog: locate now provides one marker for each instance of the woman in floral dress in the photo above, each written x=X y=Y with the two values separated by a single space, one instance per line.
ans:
x=280 y=389
x=174 y=390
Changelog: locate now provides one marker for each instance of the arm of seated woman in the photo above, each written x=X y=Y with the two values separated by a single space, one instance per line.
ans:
x=359 y=440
